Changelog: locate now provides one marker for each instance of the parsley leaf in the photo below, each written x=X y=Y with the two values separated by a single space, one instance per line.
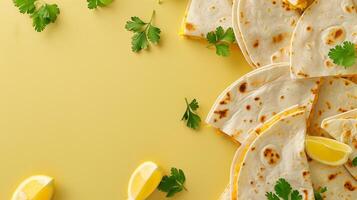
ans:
x=144 y=33
x=25 y=6
x=221 y=40
x=45 y=15
x=318 y=193
x=92 y=4
x=174 y=183
x=344 y=55
x=284 y=191
x=193 y=120
x=354 y=162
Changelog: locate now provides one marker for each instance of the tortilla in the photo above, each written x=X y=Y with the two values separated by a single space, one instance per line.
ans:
x=203 y=16
x=343 y=127
x=278 y=152
x=336 y=95
x=264 y=29
x=339 y=183
x=323 y=25
x=256 y=97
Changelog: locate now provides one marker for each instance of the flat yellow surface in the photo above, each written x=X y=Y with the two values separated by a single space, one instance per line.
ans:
x=78 y=105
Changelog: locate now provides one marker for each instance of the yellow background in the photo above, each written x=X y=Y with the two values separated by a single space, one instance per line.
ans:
x=78 y=105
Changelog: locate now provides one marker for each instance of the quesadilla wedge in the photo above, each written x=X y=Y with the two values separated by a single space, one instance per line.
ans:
x=343 y=127
x=256 y=97
x=263 y=30
x=277 y=152
x=204 y=16
x=325 y=24
x=336 y=96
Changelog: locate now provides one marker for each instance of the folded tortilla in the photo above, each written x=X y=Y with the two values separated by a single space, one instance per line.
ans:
x=277 y=152
x=339 y=183
x=325 y=24
x=336 y=96
x=343 y=127
x=263 y=30
x=203 y=16
x=256 y=97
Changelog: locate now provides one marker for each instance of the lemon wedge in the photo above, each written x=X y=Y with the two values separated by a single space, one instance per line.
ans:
x=327 y=151
x=144 y=181
x=35 y=188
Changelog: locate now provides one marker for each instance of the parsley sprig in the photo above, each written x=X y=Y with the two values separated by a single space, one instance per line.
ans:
x=42 y=15
x=174 y=183
x=145 y=33
x=93 y=4
x=354 y=162
x=318 y=194
x=193 y=120
x=283 y=190
x=221 y=40
x=344 y=55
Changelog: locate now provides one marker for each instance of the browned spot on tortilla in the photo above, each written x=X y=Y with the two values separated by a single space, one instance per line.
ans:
x=190 y=27
x=256 y=99
x=273 y=2
x=342 y=110
x=227 y=99
x=274 y=57
x=349 y=163
x=348 y=185
x=320 y=112
x=221 y=113
x=256 y=44
x=332 y=176
x=243 y=87
x=258 y=64
x=302 y=74
x=250 y=121
x=309 y=28
x=215 y=120
x=253 y=148
x=314 y=90
x=241 y=14
x=328 y=63
x=278 y=38
x=293 y=23
x=349 y=9
x=282 y=97
x=347 y=83
x=328 y=105
x=334 y=36
x=305 y=173
x=251 y=182
x=262 y=119
x=271 y=156
x=248 y=107
x=354 y=142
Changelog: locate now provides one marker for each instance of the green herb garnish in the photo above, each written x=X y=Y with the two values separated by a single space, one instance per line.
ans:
x=318 y=194
x=193 y=120
x=174 y=183
x=221 y=40
x=41 y=15
x=354 y=162
x=284 y=191
x=344 y=55
x=144 y=33
x=92 y=4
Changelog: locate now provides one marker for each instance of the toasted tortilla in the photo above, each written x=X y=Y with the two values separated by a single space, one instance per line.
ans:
x=263 y=30
x=324 y=24
x=336 y=96
x=256 y=97
x=278 y=152
x=343 y=127
x=204 y=16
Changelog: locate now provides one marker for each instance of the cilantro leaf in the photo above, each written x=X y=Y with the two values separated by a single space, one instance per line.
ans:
x=92 y=4
x=354 y=162
x=144 y=33
x=318 y=194
x=193 y=120
x=271 y=196
x=283 y=189
x=295 y=195
x=221 y=40
x=25 y=6
x=344 y=55
x=174 y=183
x=45 y=15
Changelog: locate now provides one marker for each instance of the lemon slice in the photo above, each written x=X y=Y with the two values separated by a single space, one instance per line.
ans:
x=327 y=151
x=144 y=181
x=35 y=188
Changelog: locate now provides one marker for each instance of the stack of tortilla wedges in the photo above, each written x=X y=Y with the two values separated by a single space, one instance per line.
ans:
x=295 y=90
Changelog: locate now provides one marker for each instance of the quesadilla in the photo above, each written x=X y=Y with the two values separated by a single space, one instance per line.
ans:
x=204 y=16
x=343 y=127
x=338 y=182
x=275 y=152
x=323 y=25
x=263 y=30
x=256 y=97
x=336 y=95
